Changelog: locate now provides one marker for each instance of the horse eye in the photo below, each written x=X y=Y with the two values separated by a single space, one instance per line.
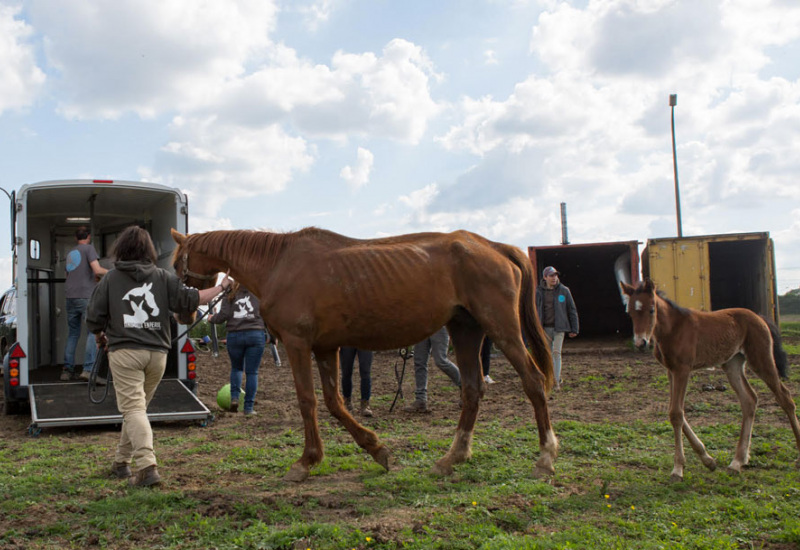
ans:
x=652 y=309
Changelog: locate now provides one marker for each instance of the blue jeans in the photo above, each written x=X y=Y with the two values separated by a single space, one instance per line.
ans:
x=245 y=348
x=76 y=318
x=347 y=359
x=436 y=344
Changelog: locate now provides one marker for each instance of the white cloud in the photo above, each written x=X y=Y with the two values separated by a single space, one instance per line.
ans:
x=358 y=175
x=147 y=56
x=20 y=78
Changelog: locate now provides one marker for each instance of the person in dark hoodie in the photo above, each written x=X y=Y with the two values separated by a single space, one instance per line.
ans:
x=247 y=339
x=558 y=314
x=129 y=313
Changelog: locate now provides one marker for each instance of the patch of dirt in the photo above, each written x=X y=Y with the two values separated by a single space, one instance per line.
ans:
x=598 y=378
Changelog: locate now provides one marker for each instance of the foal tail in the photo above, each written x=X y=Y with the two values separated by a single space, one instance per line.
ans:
x=778 y=353
x=532 y=329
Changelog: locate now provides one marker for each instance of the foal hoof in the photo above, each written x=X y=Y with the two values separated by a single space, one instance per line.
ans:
x=382 y=457
x=540 y=472
x=734 y=471
x=442 y=469
x=710 y=464
x=296 y=474
x=675 y=478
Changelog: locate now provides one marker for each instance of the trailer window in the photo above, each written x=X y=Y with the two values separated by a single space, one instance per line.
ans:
x=35 y=249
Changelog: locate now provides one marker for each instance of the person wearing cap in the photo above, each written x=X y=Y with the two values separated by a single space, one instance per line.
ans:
x=558 y=314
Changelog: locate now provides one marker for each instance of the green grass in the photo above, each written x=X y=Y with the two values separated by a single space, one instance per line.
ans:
x=611 y=490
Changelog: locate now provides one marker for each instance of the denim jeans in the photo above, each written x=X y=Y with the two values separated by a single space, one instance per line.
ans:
x=435 y=345
x=347 y=359
x=245 y=348
x=76 y=318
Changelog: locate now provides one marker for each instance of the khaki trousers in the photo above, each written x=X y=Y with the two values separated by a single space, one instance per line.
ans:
x=137 y=373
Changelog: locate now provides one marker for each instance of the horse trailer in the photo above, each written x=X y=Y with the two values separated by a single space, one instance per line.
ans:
x=711 y=272
x=44 y=218
x=593 y=273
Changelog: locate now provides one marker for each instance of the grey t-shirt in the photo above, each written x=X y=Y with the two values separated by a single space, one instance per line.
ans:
x=80 y=278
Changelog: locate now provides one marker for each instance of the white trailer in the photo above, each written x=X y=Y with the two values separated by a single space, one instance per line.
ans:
x=45 y=216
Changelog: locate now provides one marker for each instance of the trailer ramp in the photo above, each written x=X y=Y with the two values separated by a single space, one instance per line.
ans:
x=68 y=404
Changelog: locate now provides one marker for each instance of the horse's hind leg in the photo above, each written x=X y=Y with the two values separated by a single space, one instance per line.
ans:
x=764 y=367
x=300 y=361
x=533 y=383
x=328 y=364
x=734 y=370
x=467 y=338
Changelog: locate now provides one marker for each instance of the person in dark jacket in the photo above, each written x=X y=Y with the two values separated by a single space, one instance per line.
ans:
x=247 y=339
x=129 y=313
x=558 y=314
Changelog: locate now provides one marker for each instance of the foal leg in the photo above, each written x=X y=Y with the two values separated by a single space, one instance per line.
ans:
x=766 y=370
x=678 y=380
x=300 y=361
x=328 y=364
x=734 y=370
x=467 y=337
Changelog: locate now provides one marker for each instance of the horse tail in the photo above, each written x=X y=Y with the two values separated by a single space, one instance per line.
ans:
x=778 y=353
x=532 y=330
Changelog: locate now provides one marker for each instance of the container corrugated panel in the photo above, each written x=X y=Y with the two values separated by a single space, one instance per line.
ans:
x=712 y=272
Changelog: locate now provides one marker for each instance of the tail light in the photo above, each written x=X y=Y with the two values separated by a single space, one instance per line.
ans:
x=15 y=354
x=191 y=359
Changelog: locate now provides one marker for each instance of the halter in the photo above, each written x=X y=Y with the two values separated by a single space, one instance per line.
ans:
x=188 y=273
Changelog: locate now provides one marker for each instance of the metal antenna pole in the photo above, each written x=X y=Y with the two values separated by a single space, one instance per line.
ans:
x=673 y=101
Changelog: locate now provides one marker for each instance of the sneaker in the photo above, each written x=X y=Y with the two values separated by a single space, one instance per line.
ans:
x=488 y=379
x=85 y=375
x=145 y=477
x=250 y=413
x=66 y=376
x=365 y=410
x=234 y=406
x=417 y=407
x=122 y=470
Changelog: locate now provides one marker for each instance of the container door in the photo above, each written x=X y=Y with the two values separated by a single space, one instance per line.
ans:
x=679 y=267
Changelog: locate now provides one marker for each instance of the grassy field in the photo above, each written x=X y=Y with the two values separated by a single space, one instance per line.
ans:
x=224 y=487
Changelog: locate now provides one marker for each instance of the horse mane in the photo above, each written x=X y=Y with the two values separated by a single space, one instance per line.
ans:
x=256 y=246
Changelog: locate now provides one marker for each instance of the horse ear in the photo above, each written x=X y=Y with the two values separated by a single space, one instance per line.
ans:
x=177 y=237
x=649 y=285
x=626 y=288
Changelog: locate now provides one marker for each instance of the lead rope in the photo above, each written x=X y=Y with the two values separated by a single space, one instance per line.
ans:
x=405 y=353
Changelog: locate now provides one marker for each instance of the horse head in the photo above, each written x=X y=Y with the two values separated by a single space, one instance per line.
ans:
x=193 y=269
x=641 y=306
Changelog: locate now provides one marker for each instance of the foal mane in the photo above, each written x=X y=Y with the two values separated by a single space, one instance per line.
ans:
x=641 y=289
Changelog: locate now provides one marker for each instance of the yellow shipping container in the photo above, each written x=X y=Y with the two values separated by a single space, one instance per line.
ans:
x=711 y=272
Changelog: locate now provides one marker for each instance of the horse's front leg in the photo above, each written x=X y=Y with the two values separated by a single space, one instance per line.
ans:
x=300 y=361
x=678 y=380
x=328 y=364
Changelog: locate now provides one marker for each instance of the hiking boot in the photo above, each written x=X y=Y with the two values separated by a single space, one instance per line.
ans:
x=234 y=406
x=66 y=376
x=145 y=477
x=488 y=379
x=122 y=470
x=85 y=375
x=365 y=410
x=348 y=403
x=417 y=407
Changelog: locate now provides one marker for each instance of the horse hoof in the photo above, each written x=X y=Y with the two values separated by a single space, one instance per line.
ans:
x=441 y=470
x=711 y=464
x=540 y=472
x=382 y=457
x=296 y=474
x=734 y=471
x=675 y=478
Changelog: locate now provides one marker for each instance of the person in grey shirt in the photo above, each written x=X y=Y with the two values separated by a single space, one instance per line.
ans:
x=83 y=268
x=435 y=344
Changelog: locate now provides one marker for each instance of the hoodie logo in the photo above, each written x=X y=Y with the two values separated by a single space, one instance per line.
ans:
x=138 y=299
x=245 y=310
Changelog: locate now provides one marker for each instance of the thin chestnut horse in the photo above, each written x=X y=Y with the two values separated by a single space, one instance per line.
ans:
x=685 y=340
x=319 y=290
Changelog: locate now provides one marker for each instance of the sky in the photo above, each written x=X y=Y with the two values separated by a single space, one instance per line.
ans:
x=377 y=117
